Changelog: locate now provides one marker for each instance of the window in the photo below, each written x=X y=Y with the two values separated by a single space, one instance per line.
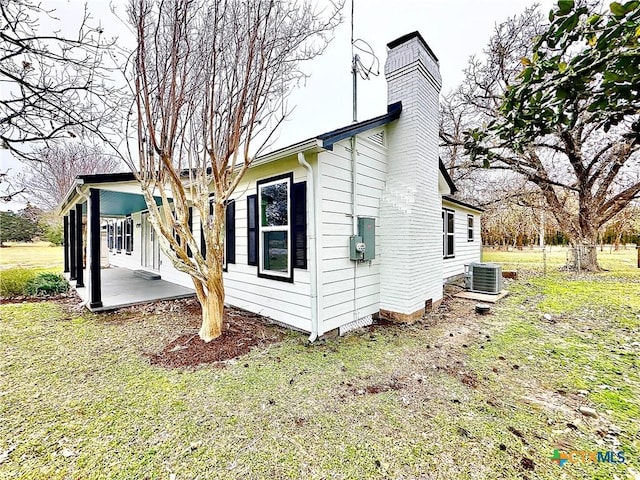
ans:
x=274 y=227
x=469 y=228
x=119 y=236
x=229 y=238
x=128 y=235
x=448 y=240
x=110 y=235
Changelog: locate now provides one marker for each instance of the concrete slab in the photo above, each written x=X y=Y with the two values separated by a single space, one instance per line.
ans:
x=121 y=288
x=482 y=297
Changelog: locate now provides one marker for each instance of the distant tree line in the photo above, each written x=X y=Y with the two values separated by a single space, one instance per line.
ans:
x=29 y=224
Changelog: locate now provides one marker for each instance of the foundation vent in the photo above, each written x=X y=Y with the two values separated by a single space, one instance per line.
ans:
x=361 y=322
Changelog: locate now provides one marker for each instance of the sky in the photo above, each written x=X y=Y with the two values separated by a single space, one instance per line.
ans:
x=454 y=29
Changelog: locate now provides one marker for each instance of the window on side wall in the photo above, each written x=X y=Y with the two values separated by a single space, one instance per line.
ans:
x=119 y=236
x=274 y=223
x=229 y=233
x=470 y=228
x=128 y=235
x=448 y=239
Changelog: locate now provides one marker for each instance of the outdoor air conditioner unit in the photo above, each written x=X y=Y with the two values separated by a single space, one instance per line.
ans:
x=485 y=278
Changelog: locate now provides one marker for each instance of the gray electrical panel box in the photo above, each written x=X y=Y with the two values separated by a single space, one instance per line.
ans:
x=363 y=245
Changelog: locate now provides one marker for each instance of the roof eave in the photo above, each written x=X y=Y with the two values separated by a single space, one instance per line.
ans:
x=330 y=138
x=450 y=199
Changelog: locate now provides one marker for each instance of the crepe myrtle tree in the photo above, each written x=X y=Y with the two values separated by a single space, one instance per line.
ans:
x=211 y=80
x=569 y=122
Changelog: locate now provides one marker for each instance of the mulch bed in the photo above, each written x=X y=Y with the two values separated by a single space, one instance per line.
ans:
x=39 y=298
x=242 y=332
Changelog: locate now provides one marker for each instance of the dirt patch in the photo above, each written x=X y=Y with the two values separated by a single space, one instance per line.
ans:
x=527 y=464
x=469 y=379
x=242 y=332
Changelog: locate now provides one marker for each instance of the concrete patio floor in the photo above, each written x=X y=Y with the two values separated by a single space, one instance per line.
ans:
x=121 y=288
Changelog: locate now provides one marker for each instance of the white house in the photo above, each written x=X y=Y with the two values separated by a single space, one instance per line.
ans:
x=291 y=247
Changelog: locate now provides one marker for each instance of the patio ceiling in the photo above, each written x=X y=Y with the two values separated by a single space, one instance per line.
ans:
x=120 y=204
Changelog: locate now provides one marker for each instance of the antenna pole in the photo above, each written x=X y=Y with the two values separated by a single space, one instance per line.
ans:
x=354 y=70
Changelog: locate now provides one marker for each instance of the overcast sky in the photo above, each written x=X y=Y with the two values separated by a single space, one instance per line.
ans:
x=454 y=29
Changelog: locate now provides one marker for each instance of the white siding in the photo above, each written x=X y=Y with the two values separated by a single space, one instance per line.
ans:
x=348 y=290
x=465 y=251
x=285 y=302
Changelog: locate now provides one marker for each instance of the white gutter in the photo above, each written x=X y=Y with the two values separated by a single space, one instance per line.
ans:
x=311 y=202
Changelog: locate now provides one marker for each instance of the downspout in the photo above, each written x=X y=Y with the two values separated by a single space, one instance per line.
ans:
x=311 y=201
x=354 y=216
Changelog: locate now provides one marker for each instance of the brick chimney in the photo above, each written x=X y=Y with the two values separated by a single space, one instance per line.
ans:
x=411 y=207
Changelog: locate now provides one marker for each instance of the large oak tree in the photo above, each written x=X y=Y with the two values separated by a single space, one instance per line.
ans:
x=568 y=121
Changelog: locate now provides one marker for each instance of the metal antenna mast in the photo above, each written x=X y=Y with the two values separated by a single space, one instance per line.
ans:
x=354 y=70
x=357 y=67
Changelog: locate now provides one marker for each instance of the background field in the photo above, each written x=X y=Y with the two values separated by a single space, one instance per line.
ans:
x=32 y=255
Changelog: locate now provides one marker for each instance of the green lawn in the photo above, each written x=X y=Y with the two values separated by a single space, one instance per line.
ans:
x=457 y=396
x=21 y=262
x=38 y=254
x=621 y=262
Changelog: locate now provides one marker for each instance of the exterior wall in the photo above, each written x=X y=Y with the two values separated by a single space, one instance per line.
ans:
x=133 y=261
x=282 y=301
x=465 y=251
x=348 y=290
x=285 y=302
x=410 y=218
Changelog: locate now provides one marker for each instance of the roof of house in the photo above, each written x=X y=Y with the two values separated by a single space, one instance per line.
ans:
x=334 y=136
x=461 y=203
x=323 y=141
x=447 y=177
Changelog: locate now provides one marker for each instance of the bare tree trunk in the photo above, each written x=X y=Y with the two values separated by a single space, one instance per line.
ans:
x=585 y=254
x=212 y=310
x=212 y=300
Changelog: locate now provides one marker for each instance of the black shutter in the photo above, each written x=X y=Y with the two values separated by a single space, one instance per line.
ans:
x=203 y=225
x=252 y=230
x=190 y=224
x=299 y=216
x=128 y=235
x=230 y=231
x=203 y=245
x=131 y=232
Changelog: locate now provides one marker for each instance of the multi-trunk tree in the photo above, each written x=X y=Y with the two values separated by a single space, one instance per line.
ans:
x=563 y=115
x=211 y=80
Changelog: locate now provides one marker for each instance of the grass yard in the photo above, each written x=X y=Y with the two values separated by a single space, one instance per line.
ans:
x=22 y=262
x=31 y=255
x=622 y=263
x=455 y=396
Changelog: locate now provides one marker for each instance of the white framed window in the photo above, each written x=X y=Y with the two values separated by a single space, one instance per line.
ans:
x=469 y=228
x=274 y=228
x=448 y=233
